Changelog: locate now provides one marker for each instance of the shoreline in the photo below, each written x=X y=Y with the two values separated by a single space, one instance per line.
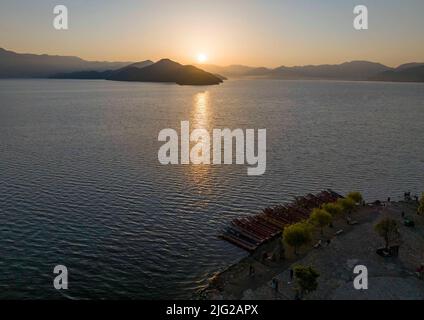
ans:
x=234 y=281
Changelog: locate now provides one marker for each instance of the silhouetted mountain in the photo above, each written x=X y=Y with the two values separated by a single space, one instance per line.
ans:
x=409 y=65
x=220 y=76
x=18 y=65
x=89 y=75
x=236 y=71
x=166 y=70
x=99 y=74
x=138 y=65
x=402 y=74
x=355 y=70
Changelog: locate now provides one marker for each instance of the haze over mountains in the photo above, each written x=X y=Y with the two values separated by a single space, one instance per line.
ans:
x=354 y=70
x=15 y=65
x=22 y=65
x=92 y=74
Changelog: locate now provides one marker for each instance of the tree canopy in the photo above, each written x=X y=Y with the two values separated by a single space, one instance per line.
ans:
x=320 y=218
x=297 y=235
x=421 y=206
x=347 y=204
x=334 y=209
x=306 y=278
x=388 y=229
x=355 y=196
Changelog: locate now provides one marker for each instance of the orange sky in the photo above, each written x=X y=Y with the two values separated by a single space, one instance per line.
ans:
x=258 y=33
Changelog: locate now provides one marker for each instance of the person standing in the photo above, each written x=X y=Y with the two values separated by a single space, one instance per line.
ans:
x=275 y=284
x=251 y=271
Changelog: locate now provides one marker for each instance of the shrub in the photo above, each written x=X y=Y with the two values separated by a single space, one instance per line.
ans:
x=388 y=229
x=297 y=235
x=334 y=209
x=347 y=204
x=421 y=206
x=320 y=218
x=355 y=196
x=306 y=278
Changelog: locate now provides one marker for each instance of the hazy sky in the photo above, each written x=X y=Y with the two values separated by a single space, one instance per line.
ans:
x=252 y=32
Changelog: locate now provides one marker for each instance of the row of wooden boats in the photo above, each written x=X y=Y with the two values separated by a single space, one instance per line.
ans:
x=250 y=232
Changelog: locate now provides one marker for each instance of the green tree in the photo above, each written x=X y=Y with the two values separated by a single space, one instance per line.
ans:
x=388 y=229
x=333 y=208
x=421 y=206
x=297 y=235
x=355 y=196
x=347 y=204
x=306 y=279
x=320 y=218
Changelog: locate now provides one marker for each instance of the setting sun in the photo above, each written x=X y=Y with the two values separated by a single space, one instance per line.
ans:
x=202 y=58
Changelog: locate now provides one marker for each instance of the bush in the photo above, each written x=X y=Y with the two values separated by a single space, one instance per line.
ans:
x=297 y=235
x=388 y=229
x=355 y=196
x=421 y=206
x=306 y=278
x=347 y=204
x=333 y=208
x=320 y=218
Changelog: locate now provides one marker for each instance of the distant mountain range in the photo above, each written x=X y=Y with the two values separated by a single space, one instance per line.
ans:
x=411 y=72
x=19 y=65
x=164 y=70
x=15 y=65
x=354 y=70
x=107 y=74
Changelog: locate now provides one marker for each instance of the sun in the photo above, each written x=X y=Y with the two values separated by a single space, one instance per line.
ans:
x=202 y=58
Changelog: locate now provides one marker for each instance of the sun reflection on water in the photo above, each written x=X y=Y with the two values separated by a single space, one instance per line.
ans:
x=199 y=175
x=200 y=112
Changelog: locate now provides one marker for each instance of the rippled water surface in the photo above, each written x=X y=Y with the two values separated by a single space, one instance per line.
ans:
x=80 y=183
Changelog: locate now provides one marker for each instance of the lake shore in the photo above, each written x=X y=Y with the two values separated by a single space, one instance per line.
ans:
x=389 y=278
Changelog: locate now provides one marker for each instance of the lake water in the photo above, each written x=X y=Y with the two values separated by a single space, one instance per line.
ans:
x=80 y=183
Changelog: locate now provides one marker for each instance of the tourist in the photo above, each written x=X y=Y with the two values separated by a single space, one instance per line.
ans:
x=420 y=271
x=403 y=214
x=291 y=274
x=275 y=284
x=251 y=271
